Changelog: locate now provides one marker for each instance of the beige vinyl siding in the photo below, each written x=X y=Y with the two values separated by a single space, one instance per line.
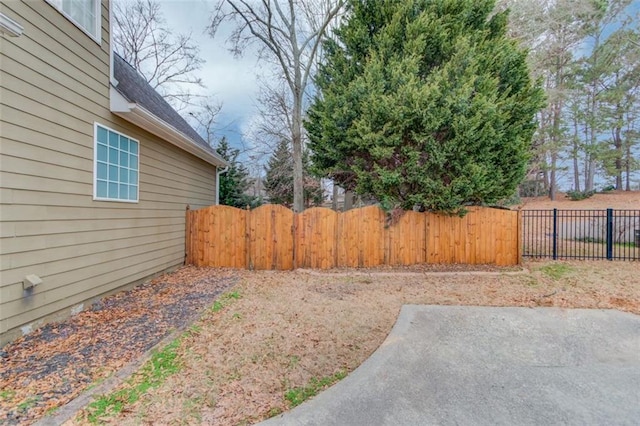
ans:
x=54 y=86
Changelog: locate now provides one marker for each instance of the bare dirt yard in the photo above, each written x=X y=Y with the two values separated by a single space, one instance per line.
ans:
x=276 y=337
x=604 y=200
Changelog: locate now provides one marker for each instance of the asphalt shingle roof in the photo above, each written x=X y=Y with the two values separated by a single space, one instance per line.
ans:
x=136 y=89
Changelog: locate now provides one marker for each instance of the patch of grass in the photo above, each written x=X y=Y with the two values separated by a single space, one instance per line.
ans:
x=195 y=330
x=530 y=281
x=601 y=241
x=556 y=270
x=294 y=360
x=192 y=409
x=28 y=403
x=152 y=374
x=590 y=240
x=7 y=394
x=297 y=396
x=217 y=306
x=232 y=295
x=224 y=300
x=274 y=412
x=51 y=411
x=629 y=244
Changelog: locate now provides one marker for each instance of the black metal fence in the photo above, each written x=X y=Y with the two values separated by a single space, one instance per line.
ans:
x=581 y=234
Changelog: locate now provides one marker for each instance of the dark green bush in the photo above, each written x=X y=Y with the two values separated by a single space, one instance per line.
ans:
x=579 y=195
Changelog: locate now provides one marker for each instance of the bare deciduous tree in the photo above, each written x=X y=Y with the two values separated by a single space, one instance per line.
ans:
x=168 y=61
x=205 y=115
x=288 y=33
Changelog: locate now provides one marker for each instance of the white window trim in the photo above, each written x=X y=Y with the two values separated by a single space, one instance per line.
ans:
x=95 y=165
x=57 y=5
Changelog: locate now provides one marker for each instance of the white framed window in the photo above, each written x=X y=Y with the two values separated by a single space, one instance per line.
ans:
x=85 y=14
x=115 y=166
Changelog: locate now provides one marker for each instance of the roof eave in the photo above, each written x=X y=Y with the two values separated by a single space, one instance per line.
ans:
x=135 y=114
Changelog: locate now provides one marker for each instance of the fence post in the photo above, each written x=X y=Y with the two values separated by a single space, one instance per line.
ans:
x=248 y=259
x=187 y=236
x=555 y=234
x=520 y=237
x=609 y=234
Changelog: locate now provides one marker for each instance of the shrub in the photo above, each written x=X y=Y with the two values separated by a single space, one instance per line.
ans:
x=579 y=195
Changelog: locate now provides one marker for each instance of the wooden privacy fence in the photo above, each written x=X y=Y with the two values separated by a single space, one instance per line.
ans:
x=272 y=237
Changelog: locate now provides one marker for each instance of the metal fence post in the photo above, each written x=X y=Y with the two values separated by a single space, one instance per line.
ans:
x=609 y=234
x=555 y=234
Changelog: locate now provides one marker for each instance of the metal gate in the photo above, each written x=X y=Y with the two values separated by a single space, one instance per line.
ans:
x=581 y=234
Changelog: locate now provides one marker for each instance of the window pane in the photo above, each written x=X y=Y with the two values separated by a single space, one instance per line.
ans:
x=124 y=192
x=116 y=175
x=102 y=135
x=113 y=156
x=102 y=171
x=82 y=12
x=113 y=173
x=113 y=139
x=102 y=189
x=113 y=190
x=102 y=153
x=124 y=159
x=89 y=23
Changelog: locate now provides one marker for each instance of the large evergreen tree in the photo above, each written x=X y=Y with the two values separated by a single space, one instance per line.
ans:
x=424 y=102
x=234 y=183
x=279 y=180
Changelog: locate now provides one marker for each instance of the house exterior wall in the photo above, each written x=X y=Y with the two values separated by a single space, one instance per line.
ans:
x=54 y=85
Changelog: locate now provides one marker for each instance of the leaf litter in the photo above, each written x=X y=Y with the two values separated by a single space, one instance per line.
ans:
x=291 y=329
x=49 y=367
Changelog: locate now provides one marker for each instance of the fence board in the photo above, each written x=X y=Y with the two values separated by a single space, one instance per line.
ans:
x=361 y=237
x=228 y=246
x=406 y=242
x=273 y=237
x=316 y=230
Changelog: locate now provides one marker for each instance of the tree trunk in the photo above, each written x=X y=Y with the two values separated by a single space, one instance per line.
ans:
x=334 y=200
x=591 y=171
x=296 y=137
x=617 y=140
x=546 y=184
x=576 y=165
x=628 y=167
x=552 y=176
x=590 y=164
x=555 y=146
x=617 y=144
x=348 y=200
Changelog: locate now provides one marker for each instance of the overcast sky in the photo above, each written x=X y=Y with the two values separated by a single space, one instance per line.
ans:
x=231 y=80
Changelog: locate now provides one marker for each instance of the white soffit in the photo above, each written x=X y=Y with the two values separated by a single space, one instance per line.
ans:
x=135 y=114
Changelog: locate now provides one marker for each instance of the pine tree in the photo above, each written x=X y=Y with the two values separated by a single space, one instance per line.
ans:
x=279 y=179
x=424 y=102
x=234 y=183
x=621 y=106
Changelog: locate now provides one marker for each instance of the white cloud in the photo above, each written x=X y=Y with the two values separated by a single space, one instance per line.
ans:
x=231 y=80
